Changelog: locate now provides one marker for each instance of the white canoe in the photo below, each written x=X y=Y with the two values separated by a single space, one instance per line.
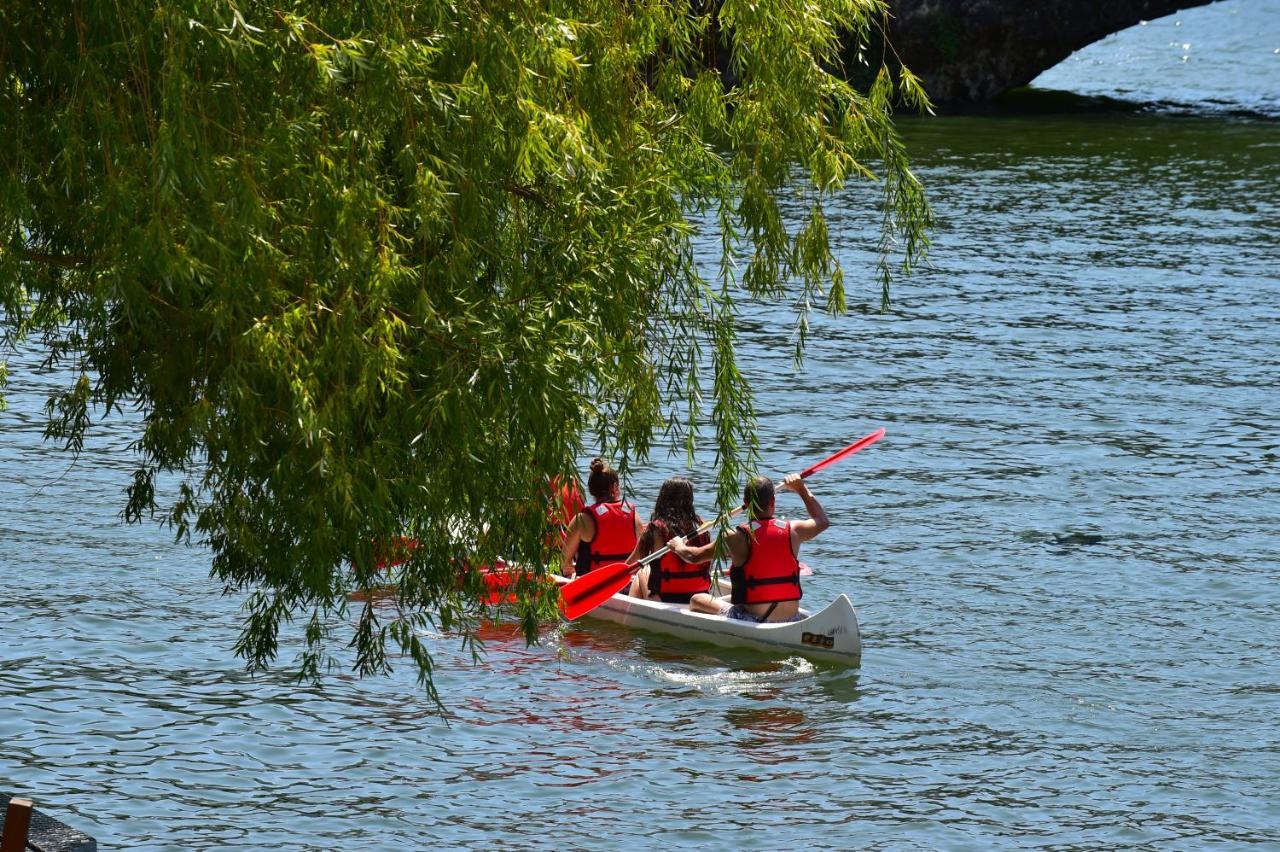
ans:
x=829 y=635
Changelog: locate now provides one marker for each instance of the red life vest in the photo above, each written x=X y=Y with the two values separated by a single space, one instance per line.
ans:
x=615 y=536
x=564 y=506
x=771 y=572
x=673 y=579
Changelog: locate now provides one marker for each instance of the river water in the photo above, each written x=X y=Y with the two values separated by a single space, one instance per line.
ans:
x=1064 y=554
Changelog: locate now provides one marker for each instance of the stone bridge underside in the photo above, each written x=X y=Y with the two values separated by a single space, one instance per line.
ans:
x=973 y=50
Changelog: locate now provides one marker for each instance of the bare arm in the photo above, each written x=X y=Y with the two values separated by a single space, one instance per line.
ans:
x=691 y=554
x=572 y=538
x=734 y=539
x=817 y=520
x=643 y=548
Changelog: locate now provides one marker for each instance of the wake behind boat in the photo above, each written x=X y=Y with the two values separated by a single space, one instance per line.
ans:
x=829 y=635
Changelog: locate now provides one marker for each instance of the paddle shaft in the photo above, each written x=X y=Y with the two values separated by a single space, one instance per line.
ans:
x=658 y=554
x=805 y=474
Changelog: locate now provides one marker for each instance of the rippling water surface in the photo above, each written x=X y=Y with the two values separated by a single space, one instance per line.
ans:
x=1064 y=558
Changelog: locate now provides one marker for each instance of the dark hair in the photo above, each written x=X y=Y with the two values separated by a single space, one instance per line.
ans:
x=673 y=513
x=601 y=481
x=758 y=496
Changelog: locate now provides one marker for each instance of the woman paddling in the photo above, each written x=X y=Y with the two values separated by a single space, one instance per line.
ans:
x=563 y=505
x=671 y=579
x=606 y=531
x=765 y=567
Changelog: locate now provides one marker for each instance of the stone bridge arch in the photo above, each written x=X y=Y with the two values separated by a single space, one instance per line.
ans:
x=974 y=50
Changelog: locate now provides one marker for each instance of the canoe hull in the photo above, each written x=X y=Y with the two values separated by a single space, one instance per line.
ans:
x=829 y=635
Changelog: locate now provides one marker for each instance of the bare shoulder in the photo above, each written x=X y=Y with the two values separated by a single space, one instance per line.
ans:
x=806 y=529
x=736 y=539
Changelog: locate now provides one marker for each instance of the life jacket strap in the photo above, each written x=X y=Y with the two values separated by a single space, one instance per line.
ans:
x=609 y=557
x=773 y=581
x=688 y=572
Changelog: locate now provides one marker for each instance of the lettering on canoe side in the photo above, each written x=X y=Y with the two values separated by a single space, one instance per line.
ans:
x=817 y=639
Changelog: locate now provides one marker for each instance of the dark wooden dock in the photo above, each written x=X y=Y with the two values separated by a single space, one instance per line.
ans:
x=25 y=829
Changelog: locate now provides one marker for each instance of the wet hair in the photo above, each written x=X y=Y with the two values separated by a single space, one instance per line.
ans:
x=601 y=481
x=673 y=513
x=758 y=496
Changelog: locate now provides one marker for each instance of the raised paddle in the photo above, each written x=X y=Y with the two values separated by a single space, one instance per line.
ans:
x=860 y=444
x=585 y=593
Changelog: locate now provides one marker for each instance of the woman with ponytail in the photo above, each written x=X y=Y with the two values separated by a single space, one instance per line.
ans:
x=604 y=532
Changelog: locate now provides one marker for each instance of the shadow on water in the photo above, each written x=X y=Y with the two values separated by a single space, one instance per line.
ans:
x=1036 y=101
x=1064 y=543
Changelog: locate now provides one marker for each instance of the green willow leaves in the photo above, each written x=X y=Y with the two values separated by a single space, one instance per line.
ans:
x=373 y=269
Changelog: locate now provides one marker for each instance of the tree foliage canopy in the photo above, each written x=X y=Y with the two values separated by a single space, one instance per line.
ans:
x=375 y=267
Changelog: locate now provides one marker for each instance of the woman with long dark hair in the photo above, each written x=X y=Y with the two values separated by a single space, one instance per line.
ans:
x=671 y=579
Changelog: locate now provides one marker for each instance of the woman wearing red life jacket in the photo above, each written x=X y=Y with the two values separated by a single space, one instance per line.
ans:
x=564 y=504
x=765 y=567
x=670 y=579
x=604 y=532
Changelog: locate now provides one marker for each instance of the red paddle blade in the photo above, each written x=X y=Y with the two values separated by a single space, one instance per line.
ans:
x=581 y=595
x=860 y=444
x=502 y=582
